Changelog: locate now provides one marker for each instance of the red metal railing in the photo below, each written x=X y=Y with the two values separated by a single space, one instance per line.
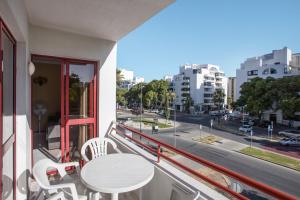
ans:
x=246 y=180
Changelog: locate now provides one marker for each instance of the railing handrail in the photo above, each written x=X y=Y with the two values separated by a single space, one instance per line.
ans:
x=246 y=180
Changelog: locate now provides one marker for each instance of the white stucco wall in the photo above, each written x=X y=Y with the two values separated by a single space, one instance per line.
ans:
x=13 y=13
x=62 y=44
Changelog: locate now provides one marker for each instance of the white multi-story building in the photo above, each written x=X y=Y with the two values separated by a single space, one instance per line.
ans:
x=129 y=80
x=231 y=89
x=137 y=80
x=277 y=64
x=168 y=78
x=127 y=75
x=199 y=82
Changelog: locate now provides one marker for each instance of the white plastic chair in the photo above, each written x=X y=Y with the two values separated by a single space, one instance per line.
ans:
x=97 y=147
x=40 y=174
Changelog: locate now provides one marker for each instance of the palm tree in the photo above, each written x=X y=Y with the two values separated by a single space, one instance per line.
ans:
x=119 y=77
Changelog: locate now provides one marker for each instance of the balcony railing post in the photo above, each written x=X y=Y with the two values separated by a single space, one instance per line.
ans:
x=158 y=153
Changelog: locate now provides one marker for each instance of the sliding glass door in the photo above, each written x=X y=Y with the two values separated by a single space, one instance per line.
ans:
x=7 y=113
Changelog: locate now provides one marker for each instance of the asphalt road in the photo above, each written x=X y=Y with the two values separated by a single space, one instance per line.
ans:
x=276 y=176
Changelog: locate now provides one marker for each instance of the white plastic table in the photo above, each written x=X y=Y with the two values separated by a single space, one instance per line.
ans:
x=117 y=173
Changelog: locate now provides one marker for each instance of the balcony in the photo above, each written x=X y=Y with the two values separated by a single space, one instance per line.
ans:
x=218 y=85
x=185 y=92
x=179 y=174
x=208 y=85
x=219 y=74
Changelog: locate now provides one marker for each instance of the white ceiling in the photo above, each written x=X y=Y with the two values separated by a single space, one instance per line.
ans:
x=107 y=19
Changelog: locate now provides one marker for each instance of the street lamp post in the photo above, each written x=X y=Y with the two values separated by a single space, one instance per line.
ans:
x=175 y=127
x=141 y=108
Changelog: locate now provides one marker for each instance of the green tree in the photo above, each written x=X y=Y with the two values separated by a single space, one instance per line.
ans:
x=133 y=96
x=119 y=77
x=149 y=99
x=218 y=97
x=188 y=102
x=260 y=95
x=121 y=99
x=160 y=87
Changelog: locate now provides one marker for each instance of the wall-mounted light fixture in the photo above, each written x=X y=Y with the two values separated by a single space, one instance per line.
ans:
x=31 y=68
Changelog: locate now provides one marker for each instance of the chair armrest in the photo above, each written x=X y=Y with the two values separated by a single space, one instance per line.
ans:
x=70 y=164
x=62 y=167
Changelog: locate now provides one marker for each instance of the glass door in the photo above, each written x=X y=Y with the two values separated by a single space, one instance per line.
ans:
x=80 y=107
x=7 y=113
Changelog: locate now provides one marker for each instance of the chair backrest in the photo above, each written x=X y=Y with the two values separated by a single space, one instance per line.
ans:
x=40 y=172
x=97 y=147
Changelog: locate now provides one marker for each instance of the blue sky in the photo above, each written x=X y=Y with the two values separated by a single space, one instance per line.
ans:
x=222 y=32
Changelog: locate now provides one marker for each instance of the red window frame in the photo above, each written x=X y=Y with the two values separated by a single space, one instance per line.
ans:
x=91 y=121
x=5 y=30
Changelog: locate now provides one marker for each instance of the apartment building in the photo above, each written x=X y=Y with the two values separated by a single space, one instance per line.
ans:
x=278 y=64
x=231 y=89
x=198 y=81
x=129 y=80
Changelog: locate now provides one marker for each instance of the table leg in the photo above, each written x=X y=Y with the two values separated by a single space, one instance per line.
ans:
x=140 y=194
x=114 y=196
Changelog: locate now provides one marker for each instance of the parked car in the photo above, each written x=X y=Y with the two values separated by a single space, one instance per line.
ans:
x=289 y=133
x=290 y=142
x=246 y=128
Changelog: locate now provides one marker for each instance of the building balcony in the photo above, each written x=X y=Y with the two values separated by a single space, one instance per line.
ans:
x=184 y=83
x=219 y=74
x=185 y=92
x=185 y=86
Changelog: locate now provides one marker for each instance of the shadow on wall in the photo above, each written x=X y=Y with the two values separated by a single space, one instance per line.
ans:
x=22 y=182
x=7 y=186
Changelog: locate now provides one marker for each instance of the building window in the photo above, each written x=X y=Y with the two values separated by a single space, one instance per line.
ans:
x=252 y=72
x=266 y=71
x=277 y=63
x=273 y=71
x=208 y=95
x=207 y=83
x=196 y=71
